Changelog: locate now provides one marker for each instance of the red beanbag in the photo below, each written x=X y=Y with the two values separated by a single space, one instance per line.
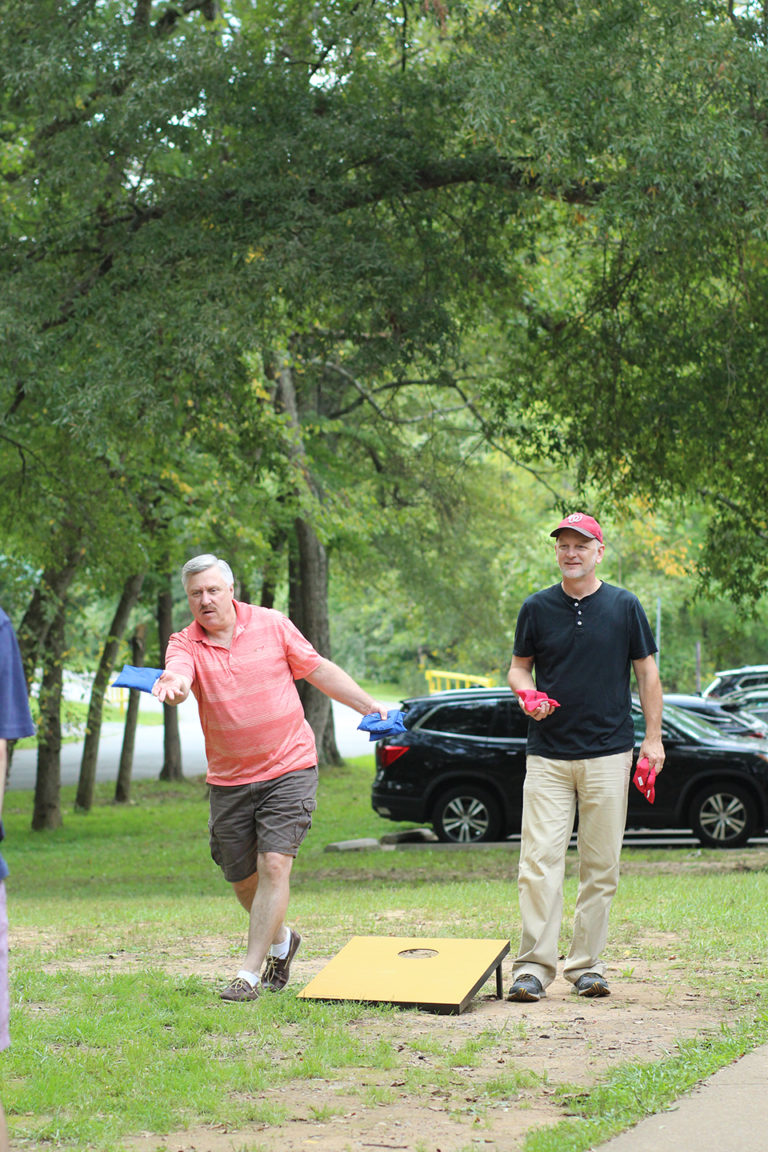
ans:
x=645 y=779
x=531 y=699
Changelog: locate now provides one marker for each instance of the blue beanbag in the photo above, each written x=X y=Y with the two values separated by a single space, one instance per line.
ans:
x=141 y=678
x=380 y=726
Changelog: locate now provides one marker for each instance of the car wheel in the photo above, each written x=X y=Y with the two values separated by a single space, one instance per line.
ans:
x=467 y=815
x=722 y=816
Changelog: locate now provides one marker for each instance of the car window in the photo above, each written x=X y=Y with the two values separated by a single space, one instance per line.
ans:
x=722 y=684
x=678 y=720
x=511 y=721
x=468 y=718
x=745 y=716
x=716 y=718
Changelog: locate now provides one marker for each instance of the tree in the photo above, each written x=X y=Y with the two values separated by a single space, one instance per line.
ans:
x=525 y=221
x=125 y=767
x=641 y=349
x=189 y=189
x=46 y=812
x=128 y=600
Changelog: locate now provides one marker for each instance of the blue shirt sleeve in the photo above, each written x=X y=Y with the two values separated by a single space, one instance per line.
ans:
x=15 y=717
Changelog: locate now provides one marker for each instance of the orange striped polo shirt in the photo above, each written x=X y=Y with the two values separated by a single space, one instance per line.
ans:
x=250 y=711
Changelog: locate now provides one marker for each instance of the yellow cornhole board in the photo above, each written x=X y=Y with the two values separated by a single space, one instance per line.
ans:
x=436 y=974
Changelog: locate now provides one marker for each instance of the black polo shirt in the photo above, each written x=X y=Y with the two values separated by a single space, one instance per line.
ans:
x=583 y=652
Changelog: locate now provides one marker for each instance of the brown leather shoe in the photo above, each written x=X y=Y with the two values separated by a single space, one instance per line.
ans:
x=275 y=974
x=239 y=991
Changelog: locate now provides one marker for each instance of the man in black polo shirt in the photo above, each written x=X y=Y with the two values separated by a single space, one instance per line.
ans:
x=583 y=637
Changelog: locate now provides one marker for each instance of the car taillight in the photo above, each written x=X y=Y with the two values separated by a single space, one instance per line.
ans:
x=386 y=754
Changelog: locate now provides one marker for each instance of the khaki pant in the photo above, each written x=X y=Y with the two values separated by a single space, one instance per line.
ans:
x=549 y=807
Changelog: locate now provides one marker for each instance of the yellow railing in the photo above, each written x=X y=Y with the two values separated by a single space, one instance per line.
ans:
x=117 y=696
x=437 y=681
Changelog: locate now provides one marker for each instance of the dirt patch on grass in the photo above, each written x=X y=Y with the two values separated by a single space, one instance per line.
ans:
x=512 y=1084
x=521 y=1059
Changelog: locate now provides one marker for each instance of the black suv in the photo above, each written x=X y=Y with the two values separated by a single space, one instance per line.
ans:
x=461 y=761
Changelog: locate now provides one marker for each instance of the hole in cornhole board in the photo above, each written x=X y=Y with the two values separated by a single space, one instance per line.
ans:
x=438 y=975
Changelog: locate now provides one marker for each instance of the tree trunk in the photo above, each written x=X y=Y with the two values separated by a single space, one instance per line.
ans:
x=272 y=569
x=43 y=610
x=308 y=583
x=125 y=768
x=308 y=607
x=47 y=598
x=172 y=766
x=126 y=604
x=47 y=805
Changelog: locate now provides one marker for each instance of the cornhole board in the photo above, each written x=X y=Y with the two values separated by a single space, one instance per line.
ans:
x=440 y=975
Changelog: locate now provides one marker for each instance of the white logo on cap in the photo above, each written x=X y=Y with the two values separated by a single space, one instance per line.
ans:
x=574 y=519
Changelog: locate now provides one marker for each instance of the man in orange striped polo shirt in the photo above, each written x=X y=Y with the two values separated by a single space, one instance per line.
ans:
x=241 y=663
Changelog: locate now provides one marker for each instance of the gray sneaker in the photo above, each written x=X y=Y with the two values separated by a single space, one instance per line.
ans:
x=526 y=987
x=276 y=972
x=592 y=984
x=239 y=991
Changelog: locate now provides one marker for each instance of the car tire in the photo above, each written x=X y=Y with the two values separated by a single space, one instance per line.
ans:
x=467 y=815
x=722 y=815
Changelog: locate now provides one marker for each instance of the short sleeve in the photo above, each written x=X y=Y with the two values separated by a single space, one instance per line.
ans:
x=302 y=657
x=15 y=717
x=642 y=642
x=523 y=645
x=178 y=656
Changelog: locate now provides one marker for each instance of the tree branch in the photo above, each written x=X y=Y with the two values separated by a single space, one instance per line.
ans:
x=367 y=397
x=732 y=506
x=490 y=438
x=473 y=168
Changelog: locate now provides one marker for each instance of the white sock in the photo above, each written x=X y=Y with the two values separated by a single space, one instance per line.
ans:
x=251 y=977
x=280 y=951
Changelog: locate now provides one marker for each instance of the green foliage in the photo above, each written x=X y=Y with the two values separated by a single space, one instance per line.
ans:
x=444 y=590
x=536 y=228
x=446 y=573
x=189 y=202
x=642 y=346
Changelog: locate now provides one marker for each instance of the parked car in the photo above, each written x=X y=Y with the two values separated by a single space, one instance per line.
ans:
x=754 y=700
x=459 y=766
x=731 y=679
x=728 y=717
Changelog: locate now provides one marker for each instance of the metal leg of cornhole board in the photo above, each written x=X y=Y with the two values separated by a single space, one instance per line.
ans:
x=440 y=975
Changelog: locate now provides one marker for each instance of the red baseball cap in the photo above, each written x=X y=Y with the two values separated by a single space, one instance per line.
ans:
x=579 y=522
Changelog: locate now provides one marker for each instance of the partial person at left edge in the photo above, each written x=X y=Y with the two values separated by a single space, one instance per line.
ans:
x=15 y=722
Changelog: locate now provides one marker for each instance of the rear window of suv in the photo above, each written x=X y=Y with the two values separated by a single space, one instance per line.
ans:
x=498 y=719
x=470 y=719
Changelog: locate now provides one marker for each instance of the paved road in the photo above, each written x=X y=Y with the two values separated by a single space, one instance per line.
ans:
x=148 y=752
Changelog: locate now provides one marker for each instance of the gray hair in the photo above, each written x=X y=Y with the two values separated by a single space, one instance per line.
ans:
x=202 y=564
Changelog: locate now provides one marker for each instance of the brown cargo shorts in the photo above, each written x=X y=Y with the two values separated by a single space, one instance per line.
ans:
x=266 y=816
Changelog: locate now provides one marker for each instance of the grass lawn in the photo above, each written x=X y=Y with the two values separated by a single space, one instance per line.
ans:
x=122 y=932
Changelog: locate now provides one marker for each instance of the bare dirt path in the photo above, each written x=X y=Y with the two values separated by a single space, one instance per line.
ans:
x=540 y=1053
x=561 y=1040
